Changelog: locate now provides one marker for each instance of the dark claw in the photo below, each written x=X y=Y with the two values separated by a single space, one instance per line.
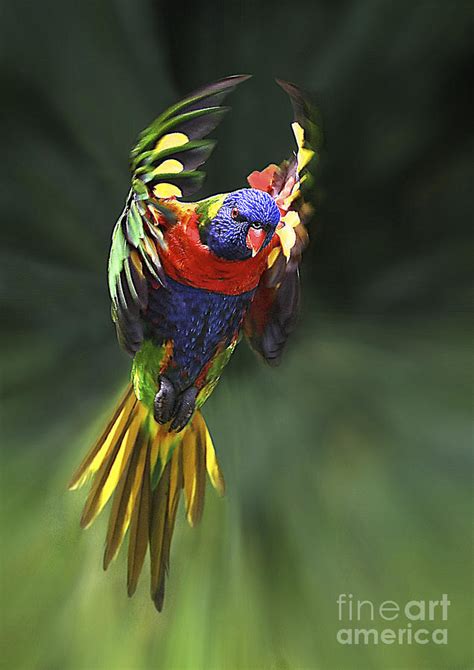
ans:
x=185 y=408
x=165 y=401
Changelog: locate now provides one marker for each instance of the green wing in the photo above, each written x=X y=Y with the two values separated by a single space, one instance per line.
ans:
x=164 y=164
x=172 y=147
x=134 y=262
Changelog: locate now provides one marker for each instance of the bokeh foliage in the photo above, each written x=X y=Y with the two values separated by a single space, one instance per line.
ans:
x=348 y=469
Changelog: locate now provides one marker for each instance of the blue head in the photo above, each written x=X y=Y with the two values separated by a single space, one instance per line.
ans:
x=244 y=224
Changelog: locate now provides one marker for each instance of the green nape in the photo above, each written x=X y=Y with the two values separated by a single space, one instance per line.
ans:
x=207 y=209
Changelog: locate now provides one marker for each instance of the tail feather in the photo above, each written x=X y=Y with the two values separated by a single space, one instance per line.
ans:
x=124 y=499
x=146 y=467
x=194 y=475
x=161 y=531
x=176 y=485
x=212 y=465
x=138 y=542
x=95 y=456
x=112 y=468
x=159 y=514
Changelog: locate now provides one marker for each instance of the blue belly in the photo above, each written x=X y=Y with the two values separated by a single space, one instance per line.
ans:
x=197 y=321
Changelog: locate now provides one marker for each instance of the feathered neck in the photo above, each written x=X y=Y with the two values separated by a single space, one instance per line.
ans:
x=188 y=261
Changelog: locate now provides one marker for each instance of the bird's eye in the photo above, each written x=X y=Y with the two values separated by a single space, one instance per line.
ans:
x=256 y=225
x=234 y=213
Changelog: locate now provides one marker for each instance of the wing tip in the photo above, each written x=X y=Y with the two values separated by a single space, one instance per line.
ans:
x=220 y=86
x=306 y=111
x=286 y=85
x=297 y=95
x=237 y=78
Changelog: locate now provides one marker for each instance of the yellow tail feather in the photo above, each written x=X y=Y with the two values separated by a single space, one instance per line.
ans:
x=145 y=468
x=139 y=526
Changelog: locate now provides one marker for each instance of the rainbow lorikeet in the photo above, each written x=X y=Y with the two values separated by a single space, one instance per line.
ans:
x=186 y=279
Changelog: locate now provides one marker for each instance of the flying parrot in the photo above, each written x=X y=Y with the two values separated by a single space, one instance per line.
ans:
x=187 y=280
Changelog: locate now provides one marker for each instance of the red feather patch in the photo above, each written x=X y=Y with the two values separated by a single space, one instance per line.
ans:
x=188 y=261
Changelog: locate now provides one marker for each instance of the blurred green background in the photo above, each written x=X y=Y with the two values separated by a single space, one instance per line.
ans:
x=348 y=469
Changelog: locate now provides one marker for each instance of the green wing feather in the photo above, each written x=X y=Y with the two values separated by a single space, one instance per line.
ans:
x=164 y=164
x=133 y=263
x=172 y=147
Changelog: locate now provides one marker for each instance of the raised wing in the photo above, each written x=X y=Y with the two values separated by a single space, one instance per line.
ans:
x=164 y=164
x=172 y=147
x=274 y=310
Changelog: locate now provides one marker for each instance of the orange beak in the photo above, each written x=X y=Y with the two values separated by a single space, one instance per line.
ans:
x=255 y=239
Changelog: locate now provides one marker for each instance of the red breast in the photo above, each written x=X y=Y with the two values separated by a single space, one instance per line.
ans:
x=188 y=261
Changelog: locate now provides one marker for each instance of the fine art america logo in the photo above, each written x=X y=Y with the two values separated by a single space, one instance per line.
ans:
x=412 y=622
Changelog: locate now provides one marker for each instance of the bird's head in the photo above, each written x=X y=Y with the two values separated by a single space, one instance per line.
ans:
x=243 y=225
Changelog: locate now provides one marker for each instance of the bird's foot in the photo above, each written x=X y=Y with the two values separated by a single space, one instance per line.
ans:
x=171 y=405
x=184 y=409
x=165 y=400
